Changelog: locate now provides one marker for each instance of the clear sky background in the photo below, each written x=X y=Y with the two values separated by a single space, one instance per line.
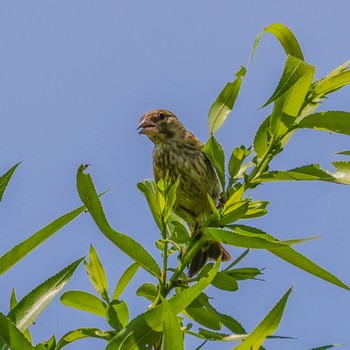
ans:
x=75 y=77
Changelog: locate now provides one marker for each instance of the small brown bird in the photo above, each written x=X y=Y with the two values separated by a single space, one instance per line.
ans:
x=178 y=152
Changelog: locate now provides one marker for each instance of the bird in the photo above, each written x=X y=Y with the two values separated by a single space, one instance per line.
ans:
x=178 y=153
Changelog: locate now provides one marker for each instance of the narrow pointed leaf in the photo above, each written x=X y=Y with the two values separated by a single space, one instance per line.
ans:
x=215 y=154
x=294 y=69
x=342 y=173
x=124 y=280
x=244 y=240
x=332 y=121
x=224 y=103
x=4 y=179
x=11 y=338
x=326 y=347
x=81 y=333
x=284 y=36
x=30 y=307
x=293 y=257
x=173 y=336
x=125 y=243
x=97 y=273
x=149 y=189
x=47 y=345
x=296 y=95
x=84 y=301
x=267 y=327
x=338 y=78
x=21 y=250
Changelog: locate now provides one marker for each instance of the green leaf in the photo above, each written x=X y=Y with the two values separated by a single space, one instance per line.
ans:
x=172 y=334
x=10 y=336
x=244 y=273
x=345 y=153
x=284 y=36
x=97 y=274
x=267 y=327
x=207 y=314
x=342 y=173
x=81 y=334
x=234 y=212
x=5 y=179
x=295 y=97
x=84 y=301
x=304 y=173
x=148 y=291
x=311 y=173
x=149 y=189
x=332 y=121
x=224 y=281
x=215 y=154
x=13 y=303
x=293 y=257
x=327 y=347
x=144 y=329
x=224 y=103
x=256 y=209
x=213 y=208
x=30 y=307
x=338 y=78
x=21 y=250
x=294 y=69
x=125 y=243
x=125 y=279
x=47 y=345
x=245 y=240
x=117 y=314
x=237 y=157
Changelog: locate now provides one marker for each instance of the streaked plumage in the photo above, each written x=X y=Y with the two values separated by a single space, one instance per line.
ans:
x=178 y=152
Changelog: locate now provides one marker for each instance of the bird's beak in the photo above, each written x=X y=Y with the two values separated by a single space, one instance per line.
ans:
x=147 y=127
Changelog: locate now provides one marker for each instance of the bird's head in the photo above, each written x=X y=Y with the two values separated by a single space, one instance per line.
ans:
x=161 y=125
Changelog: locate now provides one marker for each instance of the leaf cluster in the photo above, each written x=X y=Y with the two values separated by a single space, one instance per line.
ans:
x=180 y=306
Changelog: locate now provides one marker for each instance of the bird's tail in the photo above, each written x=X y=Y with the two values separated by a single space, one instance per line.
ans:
x=214 y=251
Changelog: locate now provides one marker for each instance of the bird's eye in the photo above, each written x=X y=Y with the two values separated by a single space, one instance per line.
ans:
x=161 y=116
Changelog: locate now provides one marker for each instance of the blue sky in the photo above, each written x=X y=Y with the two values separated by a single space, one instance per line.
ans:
x=75 y=77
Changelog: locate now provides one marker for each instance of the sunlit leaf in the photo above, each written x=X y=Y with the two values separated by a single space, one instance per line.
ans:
x=338 y=78
x=84 y=301
x=326 y=347
x=124 y=280
x=81 y=333
x=224 y=103
x=4 y=179
x=246 y=240
x=332 y=121
x=284 y=36
x=293 y=257
x=148 y=291
x=125 y=243
x=237 y=157
x=144 y=329
x=149 y=189
x=29 y=308
x=267 y=327
x=11 y=338
x=172 y=334
x=294 y=69
x=21 y=250
x=117 y=314
x=244 y=273
x=97 y=274
x=216 y=155
x=47 y=345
